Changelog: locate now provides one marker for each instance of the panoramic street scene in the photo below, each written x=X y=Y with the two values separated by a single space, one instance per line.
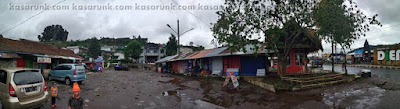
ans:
x=199 y=54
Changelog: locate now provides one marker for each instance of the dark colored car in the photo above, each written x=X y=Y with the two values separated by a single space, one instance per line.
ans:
x=120 y=67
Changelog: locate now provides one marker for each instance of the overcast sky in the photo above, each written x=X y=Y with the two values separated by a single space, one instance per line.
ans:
x=151 y=23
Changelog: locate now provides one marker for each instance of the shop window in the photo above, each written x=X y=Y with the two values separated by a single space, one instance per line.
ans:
x=299 y=59
x=3 y=76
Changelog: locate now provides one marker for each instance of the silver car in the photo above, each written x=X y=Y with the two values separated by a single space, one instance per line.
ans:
x=22 y=88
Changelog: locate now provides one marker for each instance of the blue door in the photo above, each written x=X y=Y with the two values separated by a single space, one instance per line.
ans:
x=250 y=64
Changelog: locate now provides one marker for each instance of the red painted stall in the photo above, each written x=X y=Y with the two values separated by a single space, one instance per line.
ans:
x=20 y=62
x=298 y=62
x=175 y=67
x=231 y=62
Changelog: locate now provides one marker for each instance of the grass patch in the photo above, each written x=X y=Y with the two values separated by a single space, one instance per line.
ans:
x=285 y=86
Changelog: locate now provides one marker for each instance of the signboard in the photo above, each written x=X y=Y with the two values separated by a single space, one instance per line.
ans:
x=393 y=55
x=235 y=70
x=43 y=60
x=231 y=76
x=358 y=53
x=226 y=82
x=234 y=79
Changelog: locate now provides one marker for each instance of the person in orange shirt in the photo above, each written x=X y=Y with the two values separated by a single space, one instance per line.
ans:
x=76 y=101
x=54 y=93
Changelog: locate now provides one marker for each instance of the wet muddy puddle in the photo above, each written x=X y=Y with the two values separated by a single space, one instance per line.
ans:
x=168 y=93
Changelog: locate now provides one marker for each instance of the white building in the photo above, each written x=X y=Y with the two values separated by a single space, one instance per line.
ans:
x=78 y=49
x=119 y=55
x=108 y=48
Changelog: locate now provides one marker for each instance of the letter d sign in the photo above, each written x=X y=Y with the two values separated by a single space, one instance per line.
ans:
x=381 y=55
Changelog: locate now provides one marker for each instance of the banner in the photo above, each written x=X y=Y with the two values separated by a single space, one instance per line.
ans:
x=231 y=76
x=234 y=79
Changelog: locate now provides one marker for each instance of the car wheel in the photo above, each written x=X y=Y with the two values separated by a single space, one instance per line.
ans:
x=67 y=81
x=50 y=78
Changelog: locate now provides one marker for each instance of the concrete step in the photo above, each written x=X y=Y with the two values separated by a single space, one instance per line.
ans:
x=309 y=86
x=310 y=78
x=333 y=78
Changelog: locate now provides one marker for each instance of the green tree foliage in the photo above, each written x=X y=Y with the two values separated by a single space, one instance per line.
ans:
x=279 y=22
x=341 y=23
x=94 y=48
x=117 y=41
x=53 y=33
x=198 y=48
x=133 y=49
x=172 y=46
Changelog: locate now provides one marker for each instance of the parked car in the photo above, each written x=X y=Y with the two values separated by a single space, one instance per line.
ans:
x=68 y=73
x=22 y=88
x=121 y=67
x=317 y=63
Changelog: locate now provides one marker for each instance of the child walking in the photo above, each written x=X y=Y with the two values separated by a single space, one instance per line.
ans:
x=76 y=101
x=54 y=93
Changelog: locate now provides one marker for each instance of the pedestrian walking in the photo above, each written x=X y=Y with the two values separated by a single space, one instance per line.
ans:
x=54 y=94
x=343 y=66
x=75 y=102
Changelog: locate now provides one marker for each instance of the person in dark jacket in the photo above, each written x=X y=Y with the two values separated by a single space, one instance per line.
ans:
x=76 y=101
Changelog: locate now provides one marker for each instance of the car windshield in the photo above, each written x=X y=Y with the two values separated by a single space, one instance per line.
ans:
x=27 y=77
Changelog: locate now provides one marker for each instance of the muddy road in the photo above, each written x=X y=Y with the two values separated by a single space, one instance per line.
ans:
x=138 y=89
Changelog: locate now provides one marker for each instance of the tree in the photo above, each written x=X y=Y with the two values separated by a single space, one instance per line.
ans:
x=94 y=48
x=191 y=43
x=133 y=50
x=54 y=33
x=244 y=22
x=341 y=23
x=172 y=46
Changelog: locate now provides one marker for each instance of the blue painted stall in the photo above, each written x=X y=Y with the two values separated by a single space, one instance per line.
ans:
x=250 y=64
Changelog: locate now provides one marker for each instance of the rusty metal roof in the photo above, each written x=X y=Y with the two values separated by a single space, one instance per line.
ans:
x=9 y=55
x=200 y=54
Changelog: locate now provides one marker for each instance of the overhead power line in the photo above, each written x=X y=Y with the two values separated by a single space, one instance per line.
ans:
x=209 y=25
x=30 y=18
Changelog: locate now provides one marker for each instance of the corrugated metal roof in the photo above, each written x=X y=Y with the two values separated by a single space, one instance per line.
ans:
x=168 y=58
x=215 y=52
x=9 y=55
x=33 y=47
x=201 y=54
x=250 y=49
x=223 y=51
x=185 y=56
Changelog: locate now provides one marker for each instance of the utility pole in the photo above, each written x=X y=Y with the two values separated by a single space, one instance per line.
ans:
x=178 y=34
x=179 y=52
